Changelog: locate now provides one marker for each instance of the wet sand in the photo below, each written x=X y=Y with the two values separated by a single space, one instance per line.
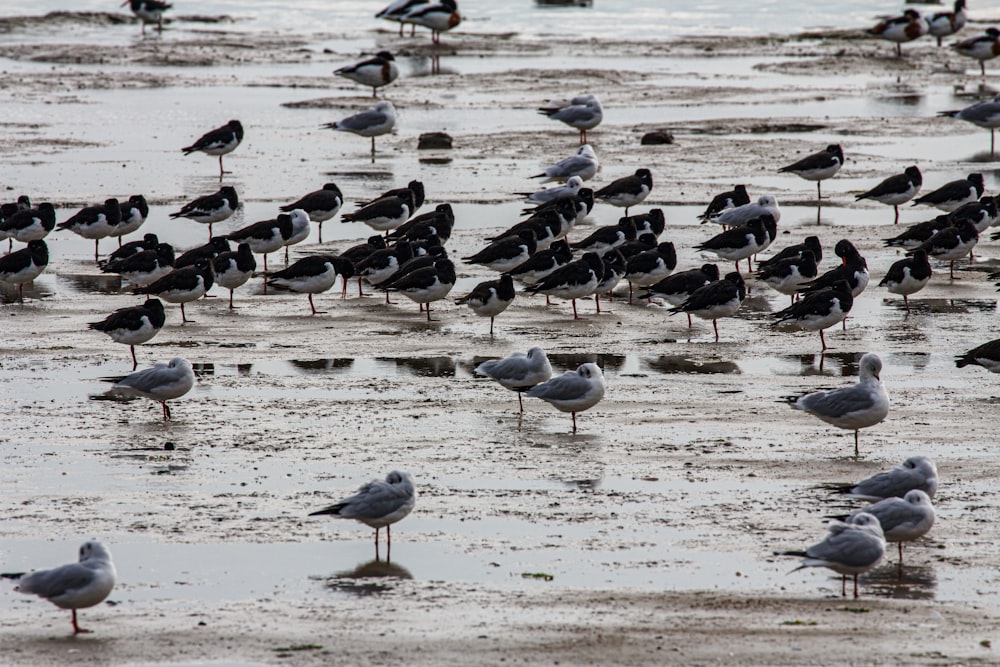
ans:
x=645 y=538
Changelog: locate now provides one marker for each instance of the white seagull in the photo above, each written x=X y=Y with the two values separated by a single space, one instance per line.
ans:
x=902 y=519
x=856 y=407
x=77 y=585
x=741 y=215
x=161 y=383
x=378 y=504
x=519 y=371
x=850 y=548
x=375 y=122
x=583 y=112
x=584 y=164
x=573 y=391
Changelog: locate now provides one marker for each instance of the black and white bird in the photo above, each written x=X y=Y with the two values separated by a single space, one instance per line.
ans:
x=385 y=213
x=572 y=281
x=148 y=11
x=182 y=285
x=542 y=263
x=490 y=298
x=147 y=242
x=312 y=275
x=908 y=276
x=603 y=239
x=32 y=224
x=583 y=164
x=220 y=141
x=899 y=29
x=986 y=355
x=265 y=237
x=377 y=71
x=212 y=208
x=726 y=200
x=981 y=47
x=982 y=114
x=951 y=195
x=506 y=252
x=438 y=16
x=982 y=214
x=916 y=234
x=627 y=191
x=950 y=244
x=397 y=10
x=614 y=271
x=207 y=252
x=548 y=225
x=380 y=265
x=739 y=243
x=677 y=288
x=583 y=203
x=321 y=205
x=818 y=310
x=582 y=112
x=133 y=325
x=234 y=269
x=94 y=222
x=786 y=275
x=650 y=267
x=144 y=267
x=718 y=299
x=374 y=122
x=853 y=269
x=942 y=24
x=23 y=266
x=414 y=188
x=896 y=190
x=809 y=243
x=652 y=222
x=427 y=285
x=818 y=167
x=134 y=212
x=357 y=254
x=438 y=224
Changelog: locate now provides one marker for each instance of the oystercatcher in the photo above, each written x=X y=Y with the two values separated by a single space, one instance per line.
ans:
x=321 y=205
x=721 y=298
x=94 y=222
x=212 y=208
x=233 y=269
x=181 y=285
x=818 y=166
x=312 y=275
x=490 y=298
x=572 y=281
x=265 y=237
x=207 y=252
x=908 y=276
x=148 y=11
x=726 y=200
x=133 y=214
x=786 y=275
x=427 y=285
x=32 y=224
x=650 y=267
x=677 y=288
x=950 y=244
x=739 y=243
x=220 y=141
x=23 y=266
x=986 y=355
x=896 y=190
x=809 y=243
x=133 y=325
x=953 y=194
x=818 y=310
x=627 y=191
x=144 y=267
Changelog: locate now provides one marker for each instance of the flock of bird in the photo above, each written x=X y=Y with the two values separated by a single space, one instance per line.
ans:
x=408 y=256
